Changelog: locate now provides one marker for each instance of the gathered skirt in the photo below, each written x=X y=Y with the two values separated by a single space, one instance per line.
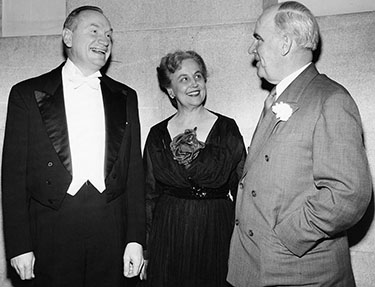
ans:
x=189 y=242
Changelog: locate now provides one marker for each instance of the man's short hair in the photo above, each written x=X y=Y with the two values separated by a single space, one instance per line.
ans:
x=297 y=20
x=71 y=21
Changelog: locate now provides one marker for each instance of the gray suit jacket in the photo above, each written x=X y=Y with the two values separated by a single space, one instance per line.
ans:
x=306 y=181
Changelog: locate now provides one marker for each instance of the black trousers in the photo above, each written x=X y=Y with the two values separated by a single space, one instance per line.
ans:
x=81 y=244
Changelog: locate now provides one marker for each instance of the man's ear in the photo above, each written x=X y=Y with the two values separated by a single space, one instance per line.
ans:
x=67 y=37
x=286 y=45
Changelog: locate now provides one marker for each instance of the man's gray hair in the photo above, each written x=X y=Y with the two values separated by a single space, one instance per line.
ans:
x=296 y=20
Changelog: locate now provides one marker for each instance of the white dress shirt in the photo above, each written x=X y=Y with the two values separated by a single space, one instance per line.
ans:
x=86 y=127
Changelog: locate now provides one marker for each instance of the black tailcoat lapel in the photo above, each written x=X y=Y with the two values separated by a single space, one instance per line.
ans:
x=115 y=120
x=51 y=105
x=50 y=101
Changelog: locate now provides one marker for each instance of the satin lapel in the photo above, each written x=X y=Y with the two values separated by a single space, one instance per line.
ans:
x=52 y=110
x=115 y=122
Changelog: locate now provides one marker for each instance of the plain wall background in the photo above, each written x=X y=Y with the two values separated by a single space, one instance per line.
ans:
x=145 y=30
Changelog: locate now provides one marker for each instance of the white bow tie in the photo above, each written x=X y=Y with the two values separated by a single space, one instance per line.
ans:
x=92 y=80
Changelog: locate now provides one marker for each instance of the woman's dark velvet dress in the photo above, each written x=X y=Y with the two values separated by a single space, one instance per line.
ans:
x=190 y=216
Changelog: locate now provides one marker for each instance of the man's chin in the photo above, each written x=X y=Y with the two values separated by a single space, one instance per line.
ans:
x=99 y=63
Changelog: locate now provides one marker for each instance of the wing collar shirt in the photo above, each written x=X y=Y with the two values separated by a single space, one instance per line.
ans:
x=280 y=87
x=86 y=127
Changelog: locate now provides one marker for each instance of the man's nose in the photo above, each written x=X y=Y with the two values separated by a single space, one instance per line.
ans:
x=104 y=40
x=253 y=47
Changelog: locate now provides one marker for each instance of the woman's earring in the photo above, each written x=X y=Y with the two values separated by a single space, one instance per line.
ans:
x=171 y=95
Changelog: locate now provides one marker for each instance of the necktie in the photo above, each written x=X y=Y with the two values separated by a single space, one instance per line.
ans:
x=269 y=101
x=92 y=81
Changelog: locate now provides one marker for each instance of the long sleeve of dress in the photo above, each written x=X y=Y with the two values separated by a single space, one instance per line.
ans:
x=152 y=193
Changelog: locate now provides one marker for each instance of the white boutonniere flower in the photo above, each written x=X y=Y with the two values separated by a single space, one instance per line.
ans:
x=282 y=110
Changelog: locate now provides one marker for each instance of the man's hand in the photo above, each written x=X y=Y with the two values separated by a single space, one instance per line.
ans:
x=24 y=265
x=133 y=259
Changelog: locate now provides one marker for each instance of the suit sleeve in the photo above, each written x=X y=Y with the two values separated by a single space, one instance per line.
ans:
x=341 y=177
x=135 y=183
x=15 y=198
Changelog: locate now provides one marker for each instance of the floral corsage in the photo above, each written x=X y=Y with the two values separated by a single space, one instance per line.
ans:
x=185 y=147
x=282 y=110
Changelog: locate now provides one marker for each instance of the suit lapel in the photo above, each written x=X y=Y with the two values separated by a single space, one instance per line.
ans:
x=50 y=101
x=115 y=121
x=295 y=91
x=291 y=96
x=262 y=133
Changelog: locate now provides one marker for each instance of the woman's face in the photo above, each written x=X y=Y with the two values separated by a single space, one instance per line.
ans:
x=188 y=85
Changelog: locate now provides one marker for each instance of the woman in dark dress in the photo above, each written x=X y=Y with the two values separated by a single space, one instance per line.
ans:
x=193 y=162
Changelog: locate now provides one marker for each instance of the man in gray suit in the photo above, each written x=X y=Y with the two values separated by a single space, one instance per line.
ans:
x=306 y=179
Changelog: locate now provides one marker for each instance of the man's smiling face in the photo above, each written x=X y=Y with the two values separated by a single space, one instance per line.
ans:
x=90 y=42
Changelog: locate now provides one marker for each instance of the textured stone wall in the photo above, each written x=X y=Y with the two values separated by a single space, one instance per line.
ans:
x=220 y=31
